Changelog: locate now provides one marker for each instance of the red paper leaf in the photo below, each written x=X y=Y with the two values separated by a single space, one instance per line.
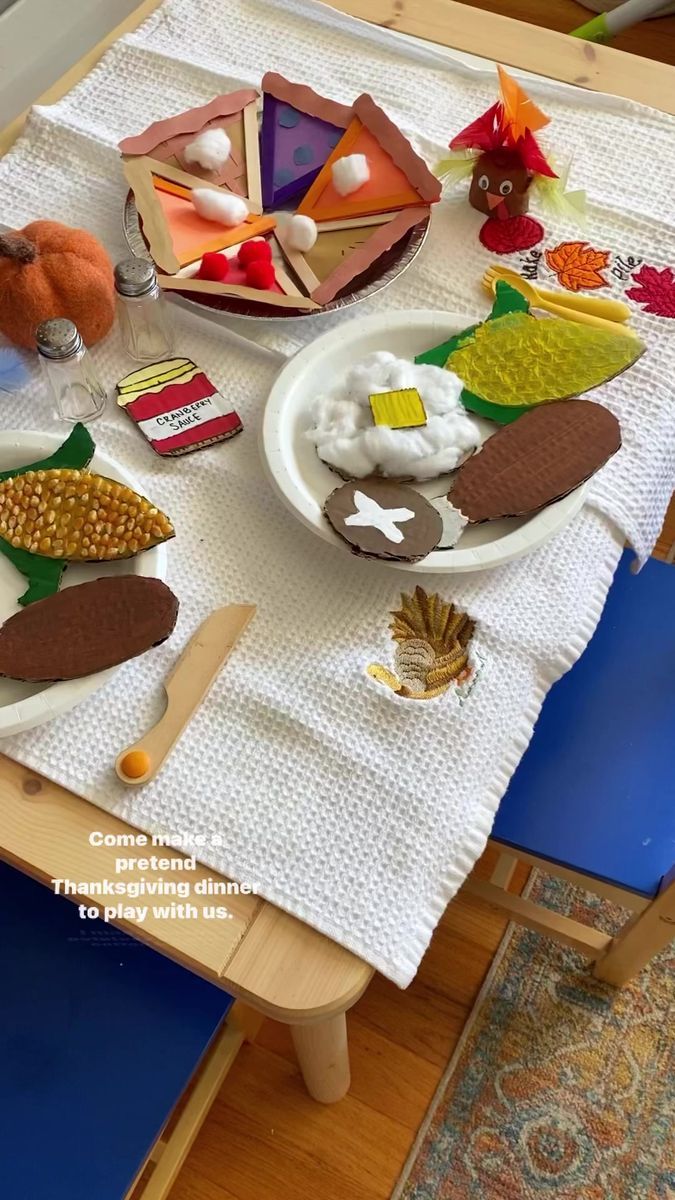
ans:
x=655 y=290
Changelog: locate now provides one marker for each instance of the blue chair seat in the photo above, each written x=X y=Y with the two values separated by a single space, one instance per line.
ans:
x=99 y=1036
x=594 y=791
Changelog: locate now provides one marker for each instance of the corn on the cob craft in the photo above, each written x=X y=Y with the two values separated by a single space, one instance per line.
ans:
x=31 y=517
x=513 y=361
x=71 y=514
x=432 y=647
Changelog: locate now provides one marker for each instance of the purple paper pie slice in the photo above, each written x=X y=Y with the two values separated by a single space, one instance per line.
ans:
x=299 y=131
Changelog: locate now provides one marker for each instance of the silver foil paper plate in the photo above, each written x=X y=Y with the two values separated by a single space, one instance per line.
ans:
x=387 y=268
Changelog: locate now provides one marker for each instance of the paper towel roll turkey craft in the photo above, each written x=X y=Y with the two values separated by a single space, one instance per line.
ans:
x=506 y=164
x=512 y=361
x=54 y=511
x=357 y=182
x=87 y=628
x=530 y=463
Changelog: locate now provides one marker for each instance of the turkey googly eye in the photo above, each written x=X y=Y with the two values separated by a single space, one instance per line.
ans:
x=506 y=188
x=484 y=183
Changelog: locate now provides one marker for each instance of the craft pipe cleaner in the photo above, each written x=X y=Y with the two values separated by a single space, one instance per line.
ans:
x=13 y=370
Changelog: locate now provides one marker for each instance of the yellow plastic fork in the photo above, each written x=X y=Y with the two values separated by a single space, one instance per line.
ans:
x=589 y=310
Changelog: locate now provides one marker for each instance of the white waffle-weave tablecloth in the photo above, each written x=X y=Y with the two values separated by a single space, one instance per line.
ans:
x=359 y=813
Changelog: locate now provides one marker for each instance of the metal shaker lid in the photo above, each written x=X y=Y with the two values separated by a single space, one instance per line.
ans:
x=57 y=338
x=135 y=277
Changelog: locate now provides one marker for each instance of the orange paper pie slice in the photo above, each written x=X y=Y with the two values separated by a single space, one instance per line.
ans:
x=399 y=178
x=175 y=233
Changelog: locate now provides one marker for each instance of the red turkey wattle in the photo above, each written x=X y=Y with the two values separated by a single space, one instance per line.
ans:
x=507 y=237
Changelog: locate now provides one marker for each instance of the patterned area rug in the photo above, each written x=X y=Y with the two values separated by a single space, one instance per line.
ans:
x=562 y=1088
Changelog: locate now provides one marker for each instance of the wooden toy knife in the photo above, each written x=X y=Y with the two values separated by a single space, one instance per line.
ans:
x=185 y=688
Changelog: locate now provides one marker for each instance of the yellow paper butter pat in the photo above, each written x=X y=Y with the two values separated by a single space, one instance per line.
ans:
x=402 y=409
x=516 y=359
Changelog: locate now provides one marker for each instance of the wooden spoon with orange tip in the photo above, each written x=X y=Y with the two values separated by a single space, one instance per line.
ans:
x=185 y=688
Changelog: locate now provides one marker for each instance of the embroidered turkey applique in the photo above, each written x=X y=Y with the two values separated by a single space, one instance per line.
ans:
x=655 y=290
x=578 y=266
x=432 y=640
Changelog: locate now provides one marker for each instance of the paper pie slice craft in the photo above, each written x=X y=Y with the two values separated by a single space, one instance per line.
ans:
x=77 y=516
x=538 y=459
x=398 y=177
x=346 y=249
x=236 y=114
x=87 y=628
x=175 y=232
x=176 y=407
x=382 y=519
x=514 y=361
x=506 y=164
x=299 y=131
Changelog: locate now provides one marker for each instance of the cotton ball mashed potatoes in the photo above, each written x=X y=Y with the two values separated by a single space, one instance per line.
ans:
x=347 y=439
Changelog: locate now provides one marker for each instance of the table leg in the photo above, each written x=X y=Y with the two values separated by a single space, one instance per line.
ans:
x=323 y=1055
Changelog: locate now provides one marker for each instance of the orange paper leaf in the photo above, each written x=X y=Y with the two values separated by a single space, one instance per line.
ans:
x=578 y=265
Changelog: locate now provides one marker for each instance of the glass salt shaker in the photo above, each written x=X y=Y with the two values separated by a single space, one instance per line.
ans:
x=66 y=362
x=142 y=311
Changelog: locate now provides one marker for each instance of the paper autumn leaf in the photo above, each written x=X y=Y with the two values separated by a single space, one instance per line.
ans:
x=655 y=290
x=578 y=265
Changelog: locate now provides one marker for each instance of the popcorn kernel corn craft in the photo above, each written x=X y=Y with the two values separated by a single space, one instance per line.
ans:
x=71 y=514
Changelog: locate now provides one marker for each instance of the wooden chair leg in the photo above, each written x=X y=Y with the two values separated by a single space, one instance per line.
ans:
x=323 y=1056
x=640 y=939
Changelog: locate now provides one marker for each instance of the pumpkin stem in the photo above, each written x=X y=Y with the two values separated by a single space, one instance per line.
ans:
x=17 y=247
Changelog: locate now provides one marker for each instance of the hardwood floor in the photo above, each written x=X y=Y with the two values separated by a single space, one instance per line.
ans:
x=265 y=1139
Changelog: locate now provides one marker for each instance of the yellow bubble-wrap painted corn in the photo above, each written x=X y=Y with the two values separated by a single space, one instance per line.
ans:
x=76 y=515
x=517 y=360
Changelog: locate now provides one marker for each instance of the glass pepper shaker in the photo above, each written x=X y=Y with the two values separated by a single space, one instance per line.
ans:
x=142 y=311
x=68 y=367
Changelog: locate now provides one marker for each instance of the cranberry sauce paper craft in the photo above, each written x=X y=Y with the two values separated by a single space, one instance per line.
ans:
x=433 y=640
x=538 y=459
x=382 y=519
x=505 y=162
x=54 y=510
x=299 y=131
x=514 y=361
x=87 y=628
x=217 y=142
x=176 y=407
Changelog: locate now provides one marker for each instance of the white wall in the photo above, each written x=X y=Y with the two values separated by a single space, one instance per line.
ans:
x=40 y=39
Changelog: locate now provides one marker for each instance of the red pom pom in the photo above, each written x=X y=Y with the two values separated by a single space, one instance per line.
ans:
x=260 y=274
x=506 y=237
x=213 y=266
x=251 y=251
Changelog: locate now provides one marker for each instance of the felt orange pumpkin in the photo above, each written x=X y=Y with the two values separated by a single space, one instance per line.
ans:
x=50 y=270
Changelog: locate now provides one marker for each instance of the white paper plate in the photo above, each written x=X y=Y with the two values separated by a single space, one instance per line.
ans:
x=303 y=482
x=25 y=705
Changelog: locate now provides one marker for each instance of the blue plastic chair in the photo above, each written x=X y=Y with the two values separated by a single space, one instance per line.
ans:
x=593 y=799
x=99 y=1037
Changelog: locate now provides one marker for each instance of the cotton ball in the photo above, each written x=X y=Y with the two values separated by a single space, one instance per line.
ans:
x=219 y=206
x=350 y=173
x=347 y=439
x=210 y=149
x=301 y=232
